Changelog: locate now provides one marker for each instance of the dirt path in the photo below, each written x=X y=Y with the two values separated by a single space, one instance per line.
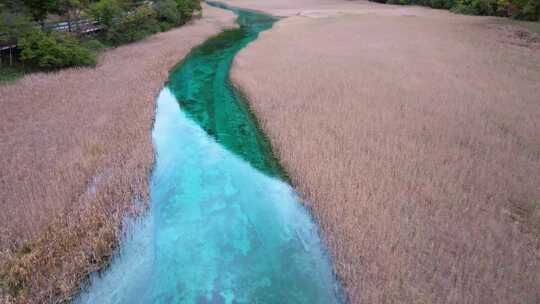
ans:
x=76 y=149
x=414 y=134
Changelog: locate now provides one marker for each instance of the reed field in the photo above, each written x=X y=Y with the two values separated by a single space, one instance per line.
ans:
x=414 y=137
x=412 y=134
x=76 y=152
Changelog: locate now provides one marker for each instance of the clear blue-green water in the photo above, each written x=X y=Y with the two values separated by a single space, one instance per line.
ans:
x=224 y=226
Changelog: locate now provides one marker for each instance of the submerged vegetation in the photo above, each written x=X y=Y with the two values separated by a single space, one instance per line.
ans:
x=43 y=45
x=215 y=212
x=225 y=114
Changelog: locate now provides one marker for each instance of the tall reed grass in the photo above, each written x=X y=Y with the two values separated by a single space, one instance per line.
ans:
x=75 y=156
x=415 y=138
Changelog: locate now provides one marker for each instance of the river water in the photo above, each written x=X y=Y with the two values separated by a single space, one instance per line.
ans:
x=224 y=226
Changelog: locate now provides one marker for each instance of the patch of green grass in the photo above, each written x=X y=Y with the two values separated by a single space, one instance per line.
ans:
x=11 y=73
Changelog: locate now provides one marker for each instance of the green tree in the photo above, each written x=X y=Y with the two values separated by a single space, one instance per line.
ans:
x=526 y=9
x=106 y=11
x=168 y=11
x=53 y=50
x=12 y=25
x=39 y=9
x=137 y=24
x=13 y=6
x=71 y=9
x=187 y=8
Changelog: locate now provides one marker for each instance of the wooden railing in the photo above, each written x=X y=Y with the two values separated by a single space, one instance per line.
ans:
x=80 y=27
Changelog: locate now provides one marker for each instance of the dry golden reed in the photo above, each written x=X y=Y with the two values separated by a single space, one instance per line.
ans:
x=414 y=135
x=76 y=152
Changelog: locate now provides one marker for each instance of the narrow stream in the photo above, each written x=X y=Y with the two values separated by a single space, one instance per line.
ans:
x=224 y=226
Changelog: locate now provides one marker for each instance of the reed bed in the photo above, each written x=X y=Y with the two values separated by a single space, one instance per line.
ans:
x=414 y=137
x=76 y=153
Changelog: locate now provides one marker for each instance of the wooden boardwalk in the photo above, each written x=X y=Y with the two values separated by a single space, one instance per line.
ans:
x=80 y=27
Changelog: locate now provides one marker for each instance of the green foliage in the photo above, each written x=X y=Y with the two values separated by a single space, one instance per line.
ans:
x=17 y=6
x=503 y=8
x=67 y=6
x=165 y=26
x=447 y=4
x=134 y=26
x=12 y=25
x=122 y=21
x=10 y=74
x=518 y=9
x=39 y=9
x=187 y=8
x=71 y=9
x=176 y=11
x=93 y=45
x=106 y=11
x=123 y=26
x=53 y=50
x=475 y=7
x=526 y=10
x=167 y=12
x=402 y=2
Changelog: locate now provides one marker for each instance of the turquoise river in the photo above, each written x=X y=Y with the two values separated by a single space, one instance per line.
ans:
x=224 y=226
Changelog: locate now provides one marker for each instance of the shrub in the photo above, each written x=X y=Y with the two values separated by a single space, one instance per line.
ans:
x=53 y=50
x=526 y=10
x=12 y=25
x=106 y=11
x=475 y=7
x=134 y=26
x=93 y=45
x=518 y=9
x=167 y=12
x=187 y=8
x=165 y=26
x=39 y=9
x=447 y=4
x=402 y=2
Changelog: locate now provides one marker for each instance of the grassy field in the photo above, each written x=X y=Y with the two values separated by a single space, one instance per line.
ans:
x=414 y=136
x=76 y=154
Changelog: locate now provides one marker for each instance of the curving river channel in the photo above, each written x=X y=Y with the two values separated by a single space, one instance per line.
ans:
x=224 y=226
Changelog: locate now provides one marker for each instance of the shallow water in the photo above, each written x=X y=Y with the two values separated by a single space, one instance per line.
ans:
x=223 y=226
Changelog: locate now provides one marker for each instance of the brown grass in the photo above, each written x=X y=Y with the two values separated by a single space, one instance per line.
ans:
x=415 y=135
x=76 y=152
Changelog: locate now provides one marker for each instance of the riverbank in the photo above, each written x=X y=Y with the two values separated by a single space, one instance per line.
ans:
x=413 y=133
x=76 y=154
x=217 y=205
